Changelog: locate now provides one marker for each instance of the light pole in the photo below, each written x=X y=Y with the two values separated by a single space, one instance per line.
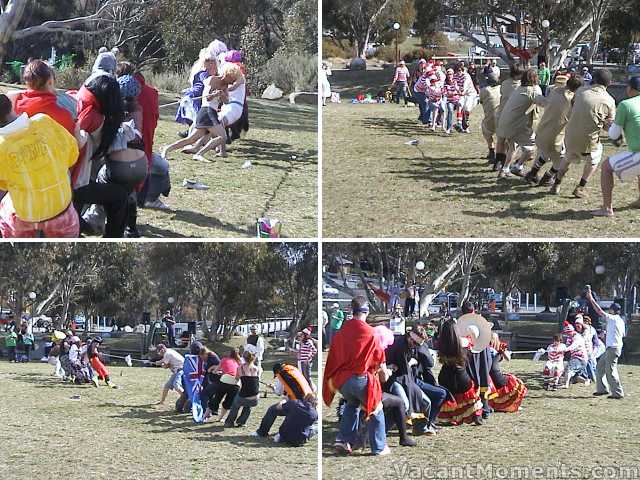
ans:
x=545 y=39
x=418 y=268
x=396 y=27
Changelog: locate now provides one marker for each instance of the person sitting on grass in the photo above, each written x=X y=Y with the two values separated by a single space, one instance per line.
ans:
x=174 y=362
x=289 y=382
x=249 y=376
x=35 y=156
x=554 y=366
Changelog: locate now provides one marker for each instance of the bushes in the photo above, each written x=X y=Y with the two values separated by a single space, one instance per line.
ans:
x=292 y=73
x=331 y=49
x=173 y=81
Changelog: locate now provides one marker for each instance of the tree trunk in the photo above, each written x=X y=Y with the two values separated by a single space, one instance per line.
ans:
x=9 y=20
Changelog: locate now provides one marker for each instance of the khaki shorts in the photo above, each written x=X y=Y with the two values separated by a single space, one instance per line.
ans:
x=523 y=139
x=488 y=133
x=551 y=153
x=626 y=165
x=594 y=157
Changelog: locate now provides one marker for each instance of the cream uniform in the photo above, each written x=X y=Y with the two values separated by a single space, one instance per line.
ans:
x=551 y=128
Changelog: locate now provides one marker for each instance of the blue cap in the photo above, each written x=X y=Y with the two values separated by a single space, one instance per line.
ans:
x=634 y=83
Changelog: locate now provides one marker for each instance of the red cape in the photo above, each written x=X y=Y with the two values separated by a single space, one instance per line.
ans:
x=354 y=351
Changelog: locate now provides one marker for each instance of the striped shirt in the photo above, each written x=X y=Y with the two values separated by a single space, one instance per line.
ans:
x=556 y=352
x=402 y=74
x=452 y=92
x=434 y=93
x=307 y=351
x=421 y=84
x=577 y=347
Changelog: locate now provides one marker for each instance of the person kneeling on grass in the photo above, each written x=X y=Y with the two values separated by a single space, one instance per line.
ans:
x=625 y=165
x=300 y=421
x=249 y=376
x=289 y=382
x=35 y=156
x=174 y=361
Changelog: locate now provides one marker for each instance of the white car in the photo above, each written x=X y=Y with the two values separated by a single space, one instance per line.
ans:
x=329 y=290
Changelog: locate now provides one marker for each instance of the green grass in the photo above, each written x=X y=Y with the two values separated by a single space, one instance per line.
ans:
x=112 y=434
x=278 y=186
x=376 y=186
x=565 y=427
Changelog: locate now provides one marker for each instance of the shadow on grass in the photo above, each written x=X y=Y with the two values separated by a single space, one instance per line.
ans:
x=205 y=221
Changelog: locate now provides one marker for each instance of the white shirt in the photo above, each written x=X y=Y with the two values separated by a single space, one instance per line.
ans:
x=397 y=325
x=74 y=352
x=616 y=330
x=258 y=349
x=173 y=359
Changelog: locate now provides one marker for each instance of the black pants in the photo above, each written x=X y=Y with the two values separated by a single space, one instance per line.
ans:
x=112 y=197
x=207 y=395
x=409 y=307
x=394 y=413
x=226 y=394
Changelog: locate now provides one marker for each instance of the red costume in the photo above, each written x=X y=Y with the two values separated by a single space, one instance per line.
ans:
x=354 y=351
x=61 y=108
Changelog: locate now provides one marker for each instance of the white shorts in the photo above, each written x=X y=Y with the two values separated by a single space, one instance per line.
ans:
x=625 y=165
x=230 y=113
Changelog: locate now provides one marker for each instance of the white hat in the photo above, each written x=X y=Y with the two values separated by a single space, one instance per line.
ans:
x=335 y=305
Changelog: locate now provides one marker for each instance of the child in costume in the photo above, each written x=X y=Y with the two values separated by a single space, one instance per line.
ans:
x=508 y=390
x=577 y=368
x=554 y=366
x=97 y=365
x=466 y=406
x=306 y=352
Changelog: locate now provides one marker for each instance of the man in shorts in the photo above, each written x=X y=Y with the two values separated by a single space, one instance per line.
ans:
x=625 y=165
x=593 y=110
x=175 y=362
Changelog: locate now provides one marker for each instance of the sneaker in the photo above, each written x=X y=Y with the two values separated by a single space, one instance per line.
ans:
x=518 y=172
x=193 y=185
x=385 y=451
x=599 y=394
x=555 y=189
x=505 y=174
x=342 y=448
x=157 y=205
x=255 y=434
x=448 y=131
x=615 y=397
x=466 y=130
x=580 y=192
x=276 y=438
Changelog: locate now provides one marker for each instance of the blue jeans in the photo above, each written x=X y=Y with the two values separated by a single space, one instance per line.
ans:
x=421 y=97
x=354 y=392
x=436 y=394
x=591 y=368
x=397 y=390
x=451 y=108
x=240 y=402
x=401 y=92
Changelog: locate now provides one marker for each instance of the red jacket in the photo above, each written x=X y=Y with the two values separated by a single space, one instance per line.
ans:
x=148 y=100
x=90 y=119
x=354 y=351
x=60 y=107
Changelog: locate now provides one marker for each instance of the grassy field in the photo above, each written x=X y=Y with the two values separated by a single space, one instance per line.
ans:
x=282 y=146
x=568 y=427
x=376 y=186
x=118 y=434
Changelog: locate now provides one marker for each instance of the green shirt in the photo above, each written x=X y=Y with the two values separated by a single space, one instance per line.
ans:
x=11 y=339
x=337 y=318
x=628 y=117
x=544 y=76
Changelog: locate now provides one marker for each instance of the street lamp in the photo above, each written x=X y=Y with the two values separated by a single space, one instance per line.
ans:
x=545 y=36
x=396 y=27
x=600 y=269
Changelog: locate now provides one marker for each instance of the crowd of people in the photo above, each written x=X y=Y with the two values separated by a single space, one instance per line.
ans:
x=533 y=118
x=386 y=379
x=83 y=162
x=227 y=388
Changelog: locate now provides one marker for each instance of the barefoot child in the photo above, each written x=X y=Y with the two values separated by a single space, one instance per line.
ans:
x=554 y=367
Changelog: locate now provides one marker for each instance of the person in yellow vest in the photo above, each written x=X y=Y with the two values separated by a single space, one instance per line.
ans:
x=35 y=156
x=550 y=131
x=593 y=110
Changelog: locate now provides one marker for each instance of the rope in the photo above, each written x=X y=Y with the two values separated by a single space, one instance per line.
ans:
x=178 y=102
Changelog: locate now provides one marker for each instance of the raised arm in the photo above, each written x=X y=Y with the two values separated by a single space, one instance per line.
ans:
x=593 y=303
